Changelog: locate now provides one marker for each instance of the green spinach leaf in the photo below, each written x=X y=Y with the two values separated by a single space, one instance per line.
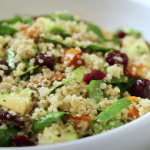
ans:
x=6 y=137
x=59 y=84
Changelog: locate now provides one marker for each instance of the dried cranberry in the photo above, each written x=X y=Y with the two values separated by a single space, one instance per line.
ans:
x=8 y=117
x=45 y=59
x=94 y=75
x=21 y=140
x=121 y=34
x=97 y=74
x=4 y=64
x=141 y=88
x=116 y=57
x=87 y=78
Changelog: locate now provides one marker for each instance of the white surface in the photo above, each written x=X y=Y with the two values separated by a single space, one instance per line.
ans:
x=108 y=14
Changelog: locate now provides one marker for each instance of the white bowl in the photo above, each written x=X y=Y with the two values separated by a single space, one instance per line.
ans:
x=109 y=14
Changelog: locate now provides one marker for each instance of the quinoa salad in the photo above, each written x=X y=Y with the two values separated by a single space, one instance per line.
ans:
x=63 y=78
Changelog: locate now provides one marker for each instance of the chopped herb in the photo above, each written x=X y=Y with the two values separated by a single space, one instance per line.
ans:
x=95 y=29
x=110 y=112
x=25 y=61
x=11 y=59
x=4 y=30
x=114 y=40
x=28 y=20
x=54 y=41
x=59 y=84
x=31 y=69
x=94 y=90
x=64 y=35
x=47 y=120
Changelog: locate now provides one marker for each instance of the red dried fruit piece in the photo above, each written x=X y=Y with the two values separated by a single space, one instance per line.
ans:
x=21 y=140
x=45 y=59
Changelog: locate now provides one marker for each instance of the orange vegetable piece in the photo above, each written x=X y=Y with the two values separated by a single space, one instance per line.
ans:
x=24 y=28
x=56 y=77
x=129 y=70
x=133 y=112
x=132 y=98
x=73 y=57
x=77 y=120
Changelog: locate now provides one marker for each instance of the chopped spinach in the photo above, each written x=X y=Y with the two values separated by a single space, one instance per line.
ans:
x=16 y=18
x=59 y=84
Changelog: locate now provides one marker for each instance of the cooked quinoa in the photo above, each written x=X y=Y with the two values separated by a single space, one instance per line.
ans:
x=63 y=78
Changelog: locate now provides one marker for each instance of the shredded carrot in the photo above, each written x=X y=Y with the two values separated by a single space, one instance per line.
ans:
x=77 y=120
x=132 y=98
x=24 y=28
x=56 y=77
x=133 y=112
x=73 y=57
x=138 y=70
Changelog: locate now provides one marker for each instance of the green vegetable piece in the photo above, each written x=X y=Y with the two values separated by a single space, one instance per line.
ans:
x=122 y=79
x=79 y=74
x=63 y=16
x=126 y=85
x=59 y=84
x=117 y=123
x=64 y=35
x=38 y=49
x=94 y=90
x=11 y=59
x=95 y=29
x=16 y=18
x=110 y=112
x=50 y=25
x=113 y=110
x=45 y=121
x=54 y=41
x=25 y=61
x=130 y=31
x=115 y=41
x=94 y=47
x=6 y=137
x=28 y=20
x=28 y=71
x=7 y=30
